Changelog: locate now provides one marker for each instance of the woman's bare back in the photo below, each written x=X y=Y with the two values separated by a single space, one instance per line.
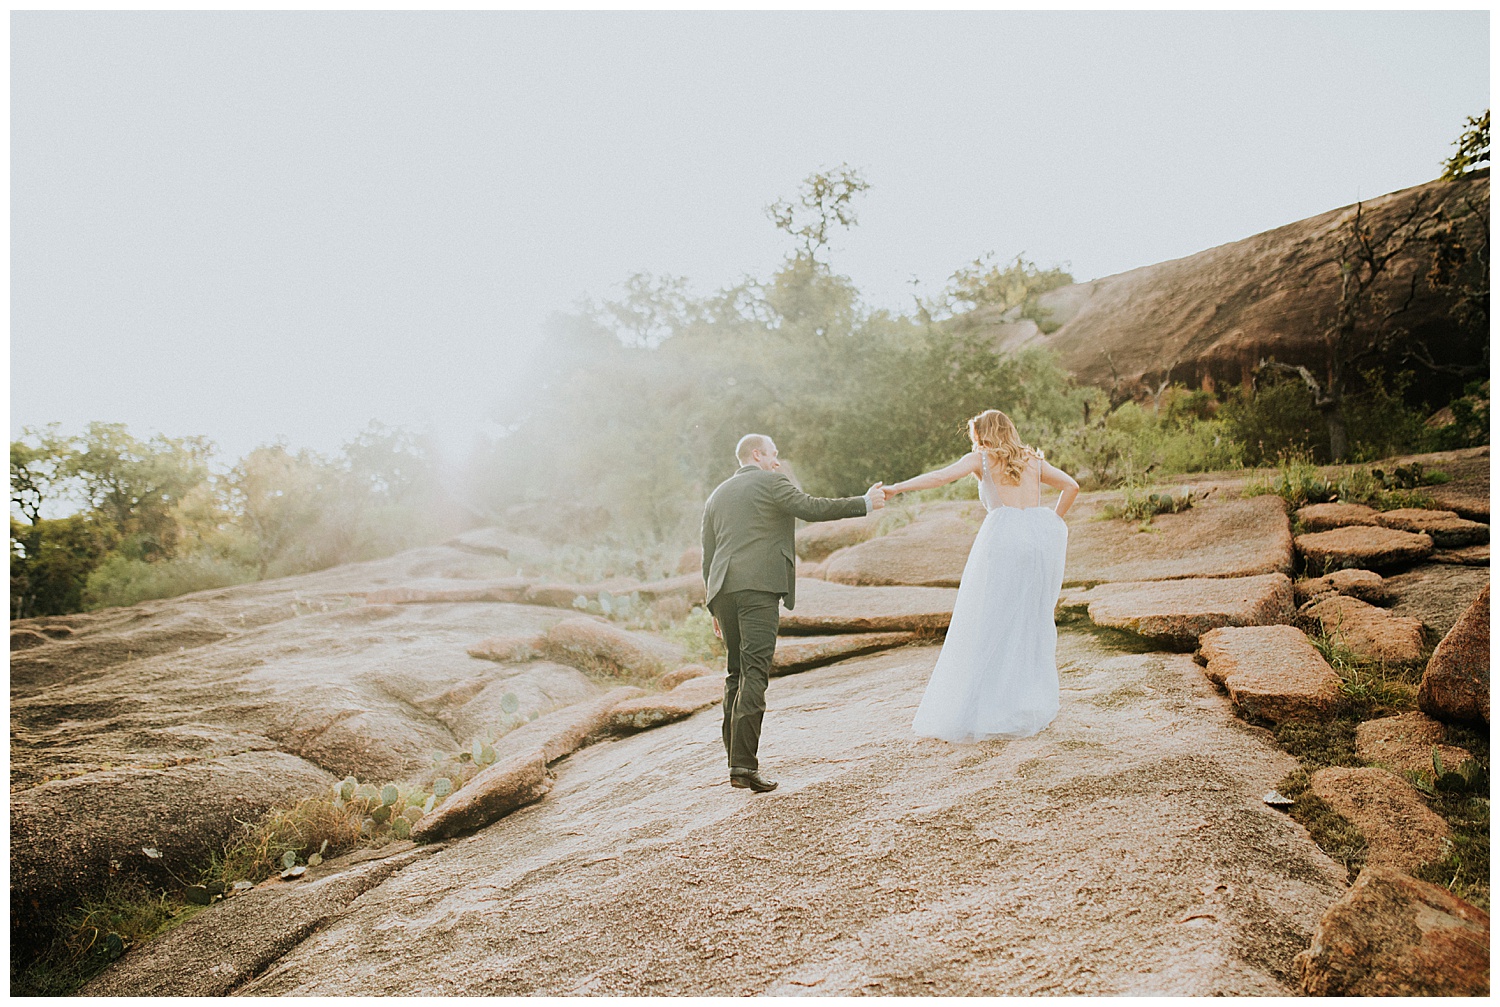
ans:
x=994 y=493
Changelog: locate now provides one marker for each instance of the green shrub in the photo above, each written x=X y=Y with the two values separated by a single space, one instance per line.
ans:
x=696 y=635
x=122 y=581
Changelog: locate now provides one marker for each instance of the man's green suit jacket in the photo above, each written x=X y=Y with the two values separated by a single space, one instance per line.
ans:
x=749 y=532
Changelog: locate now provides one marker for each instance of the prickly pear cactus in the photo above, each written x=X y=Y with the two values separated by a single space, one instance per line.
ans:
x=442 y=787
x=289 y=859
x=427 y=806
x=347 y=787
x=510 y=702
x=486 y=755
x=367 y=792
x=389 y=794
x=401 y=828
x=382 y=814
x=413 y=814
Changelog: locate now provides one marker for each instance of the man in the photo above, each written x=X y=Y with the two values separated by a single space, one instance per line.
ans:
x=749 y=565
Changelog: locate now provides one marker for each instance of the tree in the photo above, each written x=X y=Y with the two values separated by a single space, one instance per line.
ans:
x=136 y=485
x=985 y=283
x=279 y=498
x=1473 y=147
x=825 y=200
x=1370 y=253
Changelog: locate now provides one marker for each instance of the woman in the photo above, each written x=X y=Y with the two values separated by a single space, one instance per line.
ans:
x=997 y=674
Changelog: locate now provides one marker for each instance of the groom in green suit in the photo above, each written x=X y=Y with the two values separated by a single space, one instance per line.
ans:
x=749 y=565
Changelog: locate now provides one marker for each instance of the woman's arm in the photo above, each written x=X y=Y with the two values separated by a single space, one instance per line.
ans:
x=1058 y=479
x=966 y=466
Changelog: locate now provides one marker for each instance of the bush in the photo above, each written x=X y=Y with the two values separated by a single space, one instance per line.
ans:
x=1133 y=441
x=122 y=581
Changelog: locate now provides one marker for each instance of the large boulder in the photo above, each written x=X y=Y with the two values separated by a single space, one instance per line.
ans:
x=823 y=607
x=1392 y=935
x=818 y=540
x=929 y=552
x=684 y=700
x=70 y=837
x=1272 y=672
x=1369 y=548
x=1366 y=585
x=677 y=676
x=1445 y=527
x=1401 y=830
x=1456 y=685
x=799 y=653
x=519 y=773
x=1325 y=516
x=1176 y=613
x=1406 y=743
x=1437 y=594
x=1469 y=555
x=1221 y=536
x=597 y=646
x=1370 y=633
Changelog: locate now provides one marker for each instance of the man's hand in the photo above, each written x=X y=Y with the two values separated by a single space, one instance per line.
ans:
x=875 y=496
x=717 y=631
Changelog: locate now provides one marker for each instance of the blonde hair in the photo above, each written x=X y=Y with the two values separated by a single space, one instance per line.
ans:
x=993 y=433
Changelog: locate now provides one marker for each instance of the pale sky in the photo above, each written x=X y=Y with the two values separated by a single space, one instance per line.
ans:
x=264 y=225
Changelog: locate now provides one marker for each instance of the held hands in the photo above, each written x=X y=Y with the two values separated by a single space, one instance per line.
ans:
x=875 y=496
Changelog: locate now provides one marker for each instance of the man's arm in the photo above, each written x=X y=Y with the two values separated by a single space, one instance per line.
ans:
x=810 y=508
x=708 y=546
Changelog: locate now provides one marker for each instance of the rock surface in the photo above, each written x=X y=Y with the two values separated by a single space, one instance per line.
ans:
x=817 y=540
x=1437 y=594
x=1446 y=528
x=1211 y=317
x=223 y=702
x=1367 y=548
x=1456 y=685
x=1470 y=555
x=1124 y=850
x=677 y=676
x=596 y=645
x=1222 y=536
x=66 y=833
x=1370 y=633
x=1402 y=832
x=1272 y=672
x=684 y=700
x=1405 y=743
x=218 y=950
x=494 y=793
x=929 y=552
x=1391 y=935
x=1175 y=613
x=1326 y=516
x=798 y=653
x=509 y=649
x=823 y=607
x=1366 y=585
x=446 y=592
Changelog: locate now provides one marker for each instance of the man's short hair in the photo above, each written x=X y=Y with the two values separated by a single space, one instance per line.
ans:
x=751 y=443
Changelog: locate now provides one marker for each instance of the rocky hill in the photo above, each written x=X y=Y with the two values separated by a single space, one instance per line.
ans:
x=563 y=823
x=1209 y=318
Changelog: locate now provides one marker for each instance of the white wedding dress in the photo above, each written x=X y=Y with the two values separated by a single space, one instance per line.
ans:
x=997 y=674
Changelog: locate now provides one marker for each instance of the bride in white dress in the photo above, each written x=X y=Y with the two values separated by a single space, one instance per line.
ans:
x=997 y=674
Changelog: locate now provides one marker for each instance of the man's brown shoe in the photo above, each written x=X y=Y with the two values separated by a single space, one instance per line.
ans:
x=753 y=781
